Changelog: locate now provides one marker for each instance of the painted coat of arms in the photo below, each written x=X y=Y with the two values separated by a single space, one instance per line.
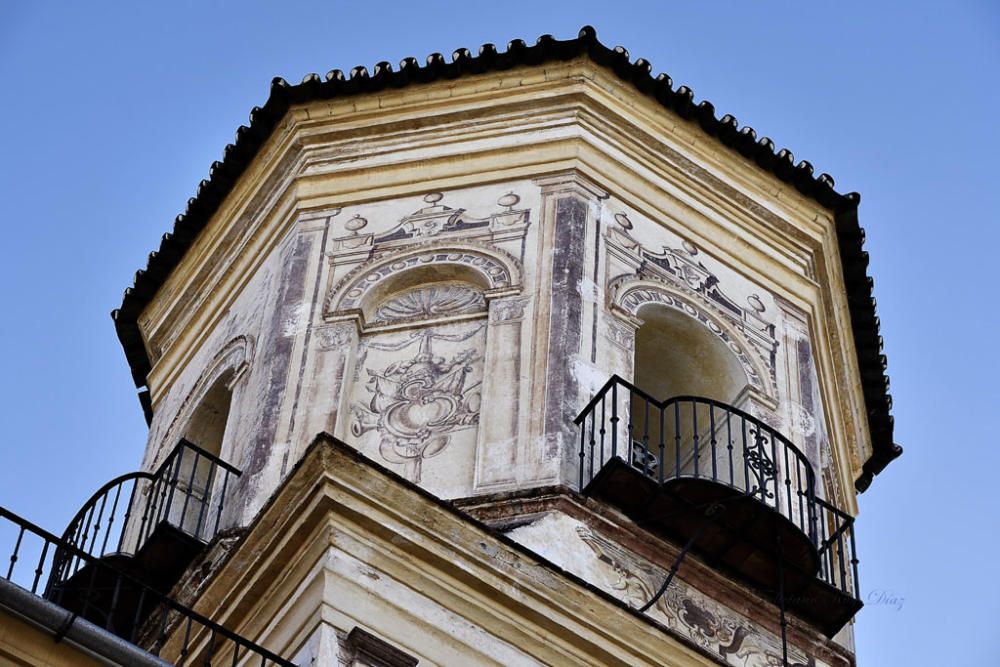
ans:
x=416 y=405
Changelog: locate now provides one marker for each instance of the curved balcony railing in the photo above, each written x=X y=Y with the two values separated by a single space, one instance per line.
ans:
x=112 y=600
x=187 y=490
x=689 y=437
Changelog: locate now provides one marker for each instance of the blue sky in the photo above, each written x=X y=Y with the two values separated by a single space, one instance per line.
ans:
x=113 y=113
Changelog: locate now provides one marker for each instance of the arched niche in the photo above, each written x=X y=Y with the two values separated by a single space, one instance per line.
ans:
x=430 y=321
x=425 y=293
x=424 y=283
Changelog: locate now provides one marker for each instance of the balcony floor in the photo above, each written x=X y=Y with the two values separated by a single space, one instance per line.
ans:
x=742 y=540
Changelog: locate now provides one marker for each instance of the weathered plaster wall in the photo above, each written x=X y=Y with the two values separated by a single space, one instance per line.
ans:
x=444 y=284
x=344 y=545
x=722 y=631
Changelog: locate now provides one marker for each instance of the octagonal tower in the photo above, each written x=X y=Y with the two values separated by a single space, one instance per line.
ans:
x=627 y=342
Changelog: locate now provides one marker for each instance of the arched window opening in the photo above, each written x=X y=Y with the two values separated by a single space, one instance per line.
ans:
x=195 y=473
x=676 y=357
x=207 y=426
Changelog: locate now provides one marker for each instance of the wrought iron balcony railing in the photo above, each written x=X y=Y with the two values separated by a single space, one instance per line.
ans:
x=115 y=601
x=702 y=452
x=187 y=491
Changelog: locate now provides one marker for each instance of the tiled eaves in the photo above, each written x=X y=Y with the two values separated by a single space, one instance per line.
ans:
x=263 y=120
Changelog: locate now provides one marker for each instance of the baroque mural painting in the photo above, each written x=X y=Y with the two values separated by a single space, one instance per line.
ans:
x=685 y=610
x=417 y=395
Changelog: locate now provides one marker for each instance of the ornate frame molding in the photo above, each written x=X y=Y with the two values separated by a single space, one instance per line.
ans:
x=630 y=293
x=237 y=356
x=498 y=272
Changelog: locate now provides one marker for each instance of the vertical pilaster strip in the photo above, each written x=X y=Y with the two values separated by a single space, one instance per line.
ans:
x=277 y=338
x=498 y=456
x=570 y=217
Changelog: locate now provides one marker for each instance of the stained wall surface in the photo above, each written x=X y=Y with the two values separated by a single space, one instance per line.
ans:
x=443 y=278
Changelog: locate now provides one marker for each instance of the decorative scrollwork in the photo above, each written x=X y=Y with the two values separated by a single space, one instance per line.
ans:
x=760 y=464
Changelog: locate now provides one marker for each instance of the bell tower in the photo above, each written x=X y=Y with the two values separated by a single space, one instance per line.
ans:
x=520 y=357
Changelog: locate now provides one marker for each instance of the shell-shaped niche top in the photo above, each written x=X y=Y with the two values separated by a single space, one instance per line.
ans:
x=433 y=301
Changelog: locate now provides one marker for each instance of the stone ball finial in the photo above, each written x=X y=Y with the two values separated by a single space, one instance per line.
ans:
x=433 y=198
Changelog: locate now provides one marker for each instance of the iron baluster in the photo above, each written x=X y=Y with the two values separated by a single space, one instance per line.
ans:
x=788 y=482
x=138 y=614
x=746 y=455
x=593 y=443
x=161 y=635
x=85 y=530
x=694 y=429
x=128 y=515
x=798 y=491
x=173 y=485
x=603 y=430
x=775 y=462
x=645 y=437
x=190 y=489
x=111 y=520
x=145 y=514
x=662 y=464
x=114 y=604
x=854 y=563
x=97 y=525
x=90 y=593
x=729 y=447
x=677 y=439
x=840 y=559
x=13 y=555
x=712 y=440
x=629 y=440
x=209 y=485
x=184 y=645
x=40 y=567
x=210 y=651
x=614 y=420
x=222 y=495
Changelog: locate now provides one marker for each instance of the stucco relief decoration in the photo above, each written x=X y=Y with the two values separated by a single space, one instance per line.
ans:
x=686 y=611
x=418 y=404
x=437 y=218
x=431 y=301
x=358 y=285
x=335 y=336
x=508 y=310
x=622 y=335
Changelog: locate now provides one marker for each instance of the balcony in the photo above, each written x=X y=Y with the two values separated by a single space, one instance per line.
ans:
x=144 y=526
x=741 y=495
x=109 y=599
